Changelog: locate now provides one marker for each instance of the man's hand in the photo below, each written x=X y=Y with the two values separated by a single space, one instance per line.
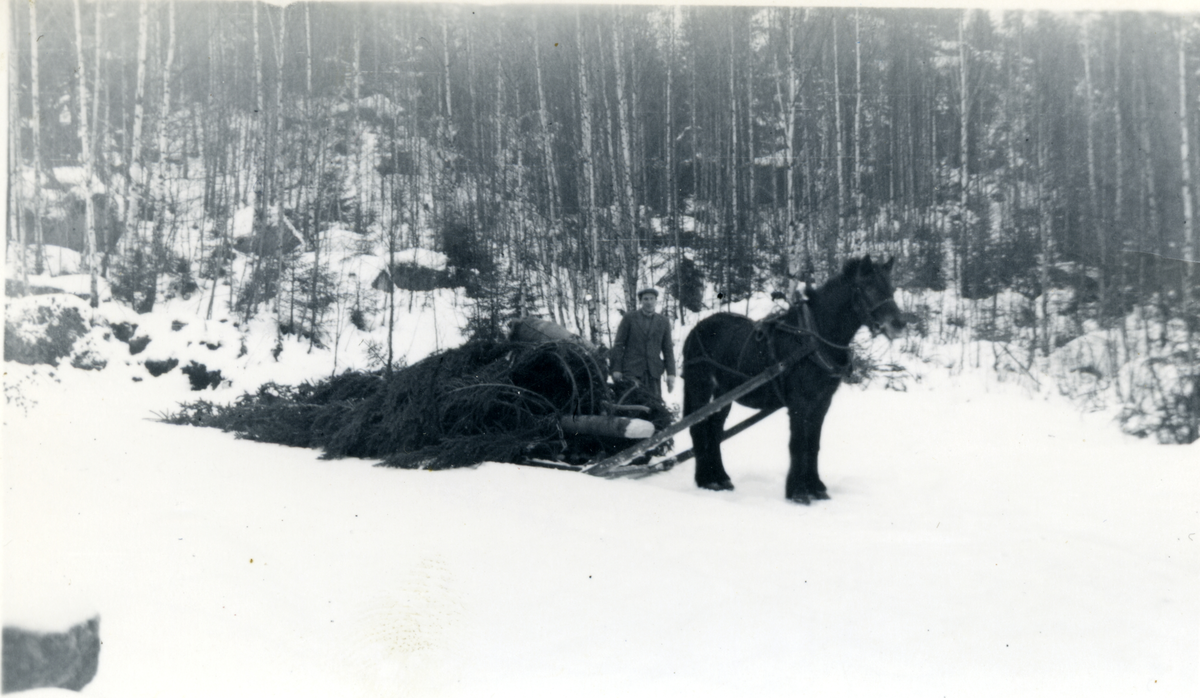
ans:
x=618 y=376
x=670 y=383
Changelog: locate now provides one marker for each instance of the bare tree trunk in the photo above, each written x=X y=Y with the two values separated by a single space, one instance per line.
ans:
x=96 y=82
x=356 y=125
x=277 y=147
x=672 y=186
x=793 y=232
x=589 y=179
x=1093 y=189
x=314 y=230
x=840 y=140
x=1149 y=185
x=733 y=168
x=446 y=65
x=307 y=51
x=1189 y=227
x=476 y=125
x=546 y=138
x=160 y=198
x=16 y=224
x=259 y=154
x=88 y=166
x=751 y=196
x=964 y=145
x=629 y=226
x=547 y=242
x=1045 y=228
x=258 y=67
x=858 y=100
x=613 y=209
x=98 y=137
x=1118 y=155
x=35 y=121
x=1016 y=128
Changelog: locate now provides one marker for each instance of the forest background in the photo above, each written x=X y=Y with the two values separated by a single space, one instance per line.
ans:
x=1031 y=171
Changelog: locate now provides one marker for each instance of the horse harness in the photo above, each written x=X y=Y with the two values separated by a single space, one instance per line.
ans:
x=811 y=339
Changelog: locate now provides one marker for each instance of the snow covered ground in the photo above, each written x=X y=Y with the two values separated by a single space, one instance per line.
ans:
x=981 y=541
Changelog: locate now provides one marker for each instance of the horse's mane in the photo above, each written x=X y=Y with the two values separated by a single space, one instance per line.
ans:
x=839 y=280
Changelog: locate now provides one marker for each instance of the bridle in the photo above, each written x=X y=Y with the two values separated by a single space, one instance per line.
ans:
x=866 y=311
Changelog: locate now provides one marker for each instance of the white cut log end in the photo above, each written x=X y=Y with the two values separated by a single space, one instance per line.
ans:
x=639 y=429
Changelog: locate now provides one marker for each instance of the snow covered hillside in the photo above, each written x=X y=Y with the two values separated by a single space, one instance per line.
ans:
x=982 y=540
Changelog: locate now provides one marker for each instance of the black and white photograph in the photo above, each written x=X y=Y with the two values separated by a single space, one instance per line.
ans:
x=509 y=349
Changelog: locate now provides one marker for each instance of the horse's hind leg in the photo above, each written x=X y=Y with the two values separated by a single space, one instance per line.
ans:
x=706 y=436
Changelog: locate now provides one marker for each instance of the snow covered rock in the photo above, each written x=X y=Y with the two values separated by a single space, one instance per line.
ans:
x=43 y=329
x=34 y=659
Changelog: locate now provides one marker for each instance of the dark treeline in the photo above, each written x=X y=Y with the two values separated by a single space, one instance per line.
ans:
x=746 y=146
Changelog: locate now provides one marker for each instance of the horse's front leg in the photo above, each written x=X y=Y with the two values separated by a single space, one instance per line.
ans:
x=796 y=488
x=813 y=484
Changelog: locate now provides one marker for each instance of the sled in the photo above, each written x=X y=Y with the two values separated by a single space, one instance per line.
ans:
x=622 y=464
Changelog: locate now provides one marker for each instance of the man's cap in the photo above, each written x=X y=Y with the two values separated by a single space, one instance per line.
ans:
x=644 y=291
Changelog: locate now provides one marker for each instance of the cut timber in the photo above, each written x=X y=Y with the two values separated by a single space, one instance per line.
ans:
x=612 y=463
x=604 y=425
x=630 y=409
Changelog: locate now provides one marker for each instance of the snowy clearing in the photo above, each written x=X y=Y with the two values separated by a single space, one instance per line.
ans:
x=980 y=542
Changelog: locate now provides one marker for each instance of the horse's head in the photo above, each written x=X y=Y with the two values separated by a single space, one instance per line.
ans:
x=873 y=296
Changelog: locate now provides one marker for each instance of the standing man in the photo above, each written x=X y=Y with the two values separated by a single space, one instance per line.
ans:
x=643 y=346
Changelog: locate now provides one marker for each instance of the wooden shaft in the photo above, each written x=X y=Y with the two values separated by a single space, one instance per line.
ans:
x=729 y=433
x=603 y=467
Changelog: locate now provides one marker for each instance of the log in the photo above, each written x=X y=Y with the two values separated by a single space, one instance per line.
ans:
x=629 y=409
x=605 y=425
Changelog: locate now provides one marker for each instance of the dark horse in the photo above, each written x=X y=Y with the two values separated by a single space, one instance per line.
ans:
x=725 y=350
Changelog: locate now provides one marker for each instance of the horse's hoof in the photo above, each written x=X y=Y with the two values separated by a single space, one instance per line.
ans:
x=721 y=486
x=819 y=495
x=800 y=498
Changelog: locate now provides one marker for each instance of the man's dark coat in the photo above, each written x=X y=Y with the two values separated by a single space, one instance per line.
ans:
x=643 y=347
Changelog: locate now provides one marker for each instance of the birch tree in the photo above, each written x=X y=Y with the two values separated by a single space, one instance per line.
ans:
x=35 y=127
x=732 y=168
x=839 y=141
x=135 y=179
x=160 y=199
x=858 y=118
x=672 y=183
x=964 y=153
x=629 y=223
x=14 y=211
x=588 y=203
x=85 y=146
x=793 y=232
x=278 y=148
x=1097 y=219
x=1189 y=226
